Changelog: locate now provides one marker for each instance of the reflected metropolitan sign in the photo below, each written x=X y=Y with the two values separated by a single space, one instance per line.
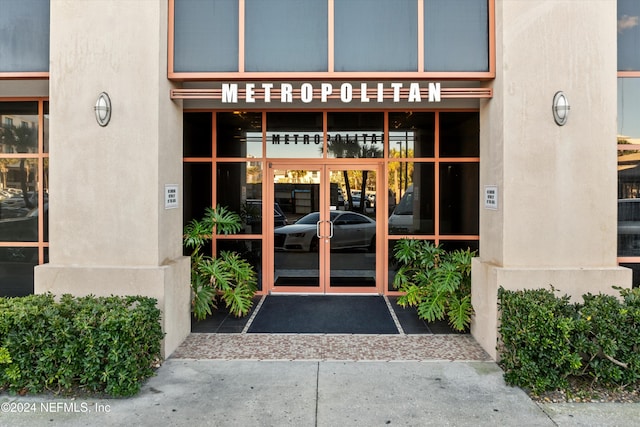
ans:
x=346 y=144
x=345 y=93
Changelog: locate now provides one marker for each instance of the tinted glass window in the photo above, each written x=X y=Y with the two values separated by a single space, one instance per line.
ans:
x=456 y=35
x=24 y=35
x=294 y=135
x=355 y=135
x=286 y=35
x=239 y=188
x=628 y=35
x=239 y=134
x=412 y=197
x=16 y=271
x=459 y=198
x=459 y=135
x=411 y=134
x=196 y=134
x=206 y=35
x=376 y=35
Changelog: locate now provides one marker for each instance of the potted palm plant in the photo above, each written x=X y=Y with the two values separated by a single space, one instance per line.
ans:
x=435 y=281
x=227 y=277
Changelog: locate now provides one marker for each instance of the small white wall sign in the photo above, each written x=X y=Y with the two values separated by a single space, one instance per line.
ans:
x=491 y=197
x=171 y=196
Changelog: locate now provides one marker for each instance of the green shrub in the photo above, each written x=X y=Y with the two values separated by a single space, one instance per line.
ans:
x=536 y=330
x=435 y=281
x=545 y=340
x=97 y=344
x=609 y=338
x=228 y=276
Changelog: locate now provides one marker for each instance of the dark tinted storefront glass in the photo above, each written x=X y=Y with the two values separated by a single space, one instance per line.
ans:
x=411 y=135
x=456 y=26
x=239 y=188
x=459 y=198
x=459 y=135
x=206 y=36
x=19 y=200
x=24 y=36
x=355 y=135
x=413 y=196
x=635 y=268
x=198 y=191
x=286 y=35
x=294 y=135
x=197 y=134
x=16 y=271
x=46 y=127
x=18 y=127
x=628 y=35
x=376 y=35
x=239 y=134
x=452 y=245
x=628 y=167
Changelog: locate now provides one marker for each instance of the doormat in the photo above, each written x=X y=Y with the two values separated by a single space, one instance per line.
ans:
x=323 y=314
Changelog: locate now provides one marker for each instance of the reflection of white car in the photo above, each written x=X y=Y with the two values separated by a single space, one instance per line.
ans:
x=401 y=220
x=350 y=230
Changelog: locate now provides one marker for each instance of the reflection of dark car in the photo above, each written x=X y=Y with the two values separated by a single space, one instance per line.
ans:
x=253 y=213
x=350 y=230
x=628 y=227
x=25 y=227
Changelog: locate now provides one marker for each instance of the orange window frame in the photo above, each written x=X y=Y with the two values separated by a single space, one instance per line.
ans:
x=40 y=156
x=241 y=74
x=436 y=160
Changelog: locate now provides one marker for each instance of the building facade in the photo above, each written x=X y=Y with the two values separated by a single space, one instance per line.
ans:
x=487 y=124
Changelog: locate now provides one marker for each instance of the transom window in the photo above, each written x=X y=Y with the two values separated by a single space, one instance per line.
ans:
x=214 y=37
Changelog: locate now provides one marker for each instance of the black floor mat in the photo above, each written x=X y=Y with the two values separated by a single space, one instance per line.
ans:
x=327 y=314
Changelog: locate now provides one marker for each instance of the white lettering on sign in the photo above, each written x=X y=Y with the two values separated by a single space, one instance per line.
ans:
x=409 y=92
x=171 y=196
x=491 y=197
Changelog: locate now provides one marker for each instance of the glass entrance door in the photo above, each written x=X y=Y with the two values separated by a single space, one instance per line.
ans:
x=325 y=228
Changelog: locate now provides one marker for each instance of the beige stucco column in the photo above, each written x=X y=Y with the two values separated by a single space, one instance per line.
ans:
x=110 y=231
x=555 y=223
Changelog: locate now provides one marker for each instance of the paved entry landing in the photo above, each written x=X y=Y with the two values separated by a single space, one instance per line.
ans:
x=324 y=314
x=223 y=337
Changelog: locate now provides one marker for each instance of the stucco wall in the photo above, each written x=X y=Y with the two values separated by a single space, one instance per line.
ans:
x=107 y=210
x=557 y=185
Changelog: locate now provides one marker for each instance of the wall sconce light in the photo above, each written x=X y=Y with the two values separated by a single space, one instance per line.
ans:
x=560 y=108
x=103 y=109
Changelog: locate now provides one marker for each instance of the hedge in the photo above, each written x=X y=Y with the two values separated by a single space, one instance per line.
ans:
x=545 y=340
x=90 y=344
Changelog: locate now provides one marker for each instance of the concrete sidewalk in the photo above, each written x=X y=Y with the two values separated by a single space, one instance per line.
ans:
x=317 y=393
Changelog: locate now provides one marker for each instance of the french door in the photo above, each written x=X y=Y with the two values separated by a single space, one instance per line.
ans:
x=325 y=228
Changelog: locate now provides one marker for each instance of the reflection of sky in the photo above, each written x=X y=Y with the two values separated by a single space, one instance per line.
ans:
x=629 y=108
x=628 y=35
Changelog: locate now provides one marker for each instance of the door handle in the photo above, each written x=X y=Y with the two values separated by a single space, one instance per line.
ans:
x=318 y=229
x=331 y=234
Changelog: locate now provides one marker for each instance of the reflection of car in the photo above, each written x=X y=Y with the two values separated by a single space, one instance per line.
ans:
x=350 y=230
x=628 y=227
x=401 y=220
x=254 y=213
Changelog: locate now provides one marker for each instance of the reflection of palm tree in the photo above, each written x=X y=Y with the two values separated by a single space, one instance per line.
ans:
x=297 y=175
x=344 y=148
x=3 y=171
x=21 y=138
